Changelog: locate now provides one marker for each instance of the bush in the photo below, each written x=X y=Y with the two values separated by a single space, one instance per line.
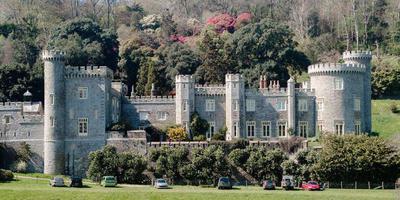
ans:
x=393 y=108
x=177 y=133
x=6 y=175
x=199 y=138
x=21 y=167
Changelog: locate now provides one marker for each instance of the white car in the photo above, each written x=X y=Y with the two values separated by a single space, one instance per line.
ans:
x=160 y=183
x=57 y=182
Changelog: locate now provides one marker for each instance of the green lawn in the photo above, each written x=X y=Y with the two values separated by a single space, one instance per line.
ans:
x=39 y=189
x=384 y=122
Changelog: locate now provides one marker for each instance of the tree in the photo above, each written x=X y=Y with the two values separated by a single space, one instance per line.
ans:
x=85 y=43
x=132 y=166
x=14 y=79
x=267 y=48
x=198 y=125
x=177 y=133
x=103 y=162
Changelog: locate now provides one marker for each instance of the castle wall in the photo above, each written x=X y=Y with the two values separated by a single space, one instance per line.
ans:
x=217 y=116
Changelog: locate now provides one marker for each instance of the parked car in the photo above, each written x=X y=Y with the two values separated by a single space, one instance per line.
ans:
x=108 y=181
x=268 y=185
x=311 y=185
x=161 y=183
x=224 y=183
x=287 y=183
x=76 y=181
x=57 y=182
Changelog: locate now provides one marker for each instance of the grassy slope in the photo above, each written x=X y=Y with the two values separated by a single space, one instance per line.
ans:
x=33 y=189
x=384 y=122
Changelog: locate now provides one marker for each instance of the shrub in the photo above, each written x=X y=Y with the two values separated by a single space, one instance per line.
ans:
x=21 y=166
x=6 y=175
x=177 y=133
x=199 y=138
x=393 y=108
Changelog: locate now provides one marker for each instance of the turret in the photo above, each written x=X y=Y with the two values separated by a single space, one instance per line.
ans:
x=291 y=104
x=184 y=101
x=54 y=111
x=234 y=86
x=364 y=58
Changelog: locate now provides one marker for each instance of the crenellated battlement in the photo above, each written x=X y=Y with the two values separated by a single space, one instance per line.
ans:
x=151 y=99
x=266 y=92
x=209 y=90
x=359 y=54
x=11 y=105
x=88 y=72
x=53 y=55
x=305 y=91
x=183 y=78
x=336 y=68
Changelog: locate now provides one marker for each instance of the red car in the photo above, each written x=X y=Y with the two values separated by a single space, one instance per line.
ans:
x=311 y=185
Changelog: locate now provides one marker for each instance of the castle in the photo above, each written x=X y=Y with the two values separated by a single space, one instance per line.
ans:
x=82 y=102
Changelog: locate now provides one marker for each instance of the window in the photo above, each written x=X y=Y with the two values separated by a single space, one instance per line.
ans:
x=303 y=129
x=144 y=115
x=235 y=105
x=83 y=92
x=357 y=104
x=250 y=105
x=303 y=105
x=184 y=105
x=29 y=134
x=162 y=115
x=320 y=104
x=250 y=128
x=15 y=134
x=52 y=121
x=281 y=129
x=338 y=83
x=7 y=119
x=235 y=129
x=266 y=128
x=281 y=105
x=211 y=130
x=320 y=126
x=52 y=99
x=83 y=126
x=357 y=127
x=210 y=105
x=339 y=127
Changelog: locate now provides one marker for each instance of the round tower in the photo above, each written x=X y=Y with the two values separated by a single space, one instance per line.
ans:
x=339 y=91
x=54 y=97
x=363 y=57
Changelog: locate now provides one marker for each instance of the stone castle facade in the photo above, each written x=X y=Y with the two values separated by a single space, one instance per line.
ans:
x=81 y=103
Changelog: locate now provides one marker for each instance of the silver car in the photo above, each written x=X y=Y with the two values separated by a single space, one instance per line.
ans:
x=57 y=182
x=161 y=183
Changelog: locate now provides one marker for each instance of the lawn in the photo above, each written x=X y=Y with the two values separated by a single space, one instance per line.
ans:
x=384 y=122
x=39 y=189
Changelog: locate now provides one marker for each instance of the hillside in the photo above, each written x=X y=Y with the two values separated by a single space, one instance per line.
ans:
x=384 y=122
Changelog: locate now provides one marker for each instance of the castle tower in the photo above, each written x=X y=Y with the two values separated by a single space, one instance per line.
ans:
x=339 y=91
x=54 y=91
x=363 y=57
x=184 y=100
x=234 y=86
x=291 y=104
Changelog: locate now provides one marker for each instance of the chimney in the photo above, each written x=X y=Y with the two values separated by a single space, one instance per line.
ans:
x=261 y=82
x=133 y=91
x=265 y=81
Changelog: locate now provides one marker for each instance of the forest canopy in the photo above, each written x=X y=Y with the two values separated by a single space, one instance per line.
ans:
x=150 y=41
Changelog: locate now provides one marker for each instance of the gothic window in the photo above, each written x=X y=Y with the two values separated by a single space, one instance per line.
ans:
x=162 y=115
x=339 y=127
x=83 y=92
x=211 y=130
x=338 y=83
x=281 y=129
x=184 y=105
x=52 y=99
x=320 y=126
x=266 y=128
x=303 y=105
x=235 y=105
x=52 y=121
x=251 y=126
x=83 y=126
x=281 y=105
x=303 y=129
x=144 y=115
x=320 y=104
x=250 y=105
x=357 y=104
x=7 y=119
x=235 y=129
x=357 y=127
x=210 y=105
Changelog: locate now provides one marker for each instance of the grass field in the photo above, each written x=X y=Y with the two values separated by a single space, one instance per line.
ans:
x=384 y=122
x=39 y=189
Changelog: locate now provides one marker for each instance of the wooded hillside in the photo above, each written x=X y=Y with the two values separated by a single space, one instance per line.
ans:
x=150 y=41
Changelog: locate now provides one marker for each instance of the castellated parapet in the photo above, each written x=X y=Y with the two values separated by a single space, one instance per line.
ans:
x=325 y=68
x=53 y=55
x=88 y=72
x=359 y=54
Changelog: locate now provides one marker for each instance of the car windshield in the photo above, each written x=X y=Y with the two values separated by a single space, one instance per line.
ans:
x=312 y=183
x=109 y=178
x=161 y=181
x=58 y=179
x=224 y=179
